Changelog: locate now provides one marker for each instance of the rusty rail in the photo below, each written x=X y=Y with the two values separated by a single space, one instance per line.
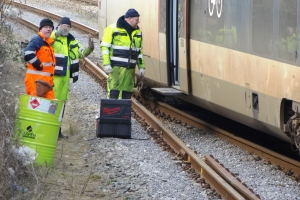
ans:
x=288 y=165
x=216 y=182
x=93 y=32
x=230 y=178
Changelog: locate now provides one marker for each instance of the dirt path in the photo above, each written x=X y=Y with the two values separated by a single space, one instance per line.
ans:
x=73 y=173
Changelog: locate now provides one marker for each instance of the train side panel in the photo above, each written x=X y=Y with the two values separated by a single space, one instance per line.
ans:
x=241 y=62
x=148 y=11
x=221 y=80
x=239 y=67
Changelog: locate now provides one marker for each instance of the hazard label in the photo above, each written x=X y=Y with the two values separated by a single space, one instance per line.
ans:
x=42 y=105
x=34 y=103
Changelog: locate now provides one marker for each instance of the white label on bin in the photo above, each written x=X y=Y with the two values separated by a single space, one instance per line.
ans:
x=42 y=105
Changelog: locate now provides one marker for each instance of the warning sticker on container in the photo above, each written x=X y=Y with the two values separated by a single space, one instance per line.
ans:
x=42 y=105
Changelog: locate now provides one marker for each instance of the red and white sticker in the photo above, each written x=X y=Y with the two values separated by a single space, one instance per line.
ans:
x=42 y=105
x=34 y=103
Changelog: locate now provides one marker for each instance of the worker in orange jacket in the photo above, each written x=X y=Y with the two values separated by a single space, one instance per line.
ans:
x=40 y=61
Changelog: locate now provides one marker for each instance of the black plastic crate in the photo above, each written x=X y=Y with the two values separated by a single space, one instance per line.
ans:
x=115 y=118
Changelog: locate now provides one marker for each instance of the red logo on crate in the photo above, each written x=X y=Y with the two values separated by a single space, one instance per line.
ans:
x=34 y=103
x=110 y=111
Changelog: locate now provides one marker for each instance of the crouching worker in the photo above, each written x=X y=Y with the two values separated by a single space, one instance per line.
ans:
x=40 y=61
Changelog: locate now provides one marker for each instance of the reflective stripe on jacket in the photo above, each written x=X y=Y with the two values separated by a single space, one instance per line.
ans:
x=120 y=49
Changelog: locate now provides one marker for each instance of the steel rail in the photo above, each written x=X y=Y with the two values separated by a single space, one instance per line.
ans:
x=93 y=32
x=230 y=178
x=216 y=182
x=210 y=176
x=28 y=24
x=288 y=165
x=246 y=192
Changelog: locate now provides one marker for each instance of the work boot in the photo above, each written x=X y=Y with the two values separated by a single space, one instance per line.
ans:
x=60 y=135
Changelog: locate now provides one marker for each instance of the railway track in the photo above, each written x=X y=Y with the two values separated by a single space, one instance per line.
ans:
x=235 y=190
x=288 y=165
x=94 y=33
x=213 y=172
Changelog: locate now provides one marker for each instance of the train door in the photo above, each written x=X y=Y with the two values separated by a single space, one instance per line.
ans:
x=173 y=47
x=177 y=44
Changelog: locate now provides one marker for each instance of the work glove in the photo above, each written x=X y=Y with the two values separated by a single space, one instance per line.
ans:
x=141 y=71
x=91 y=44
x=107 y=69
x=59 y=32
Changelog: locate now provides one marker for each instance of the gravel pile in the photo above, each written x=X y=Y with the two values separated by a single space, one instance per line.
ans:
x=140 y=169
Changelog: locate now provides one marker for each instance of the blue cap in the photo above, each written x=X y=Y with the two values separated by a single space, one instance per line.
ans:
x=131 y=13
x=65 y=20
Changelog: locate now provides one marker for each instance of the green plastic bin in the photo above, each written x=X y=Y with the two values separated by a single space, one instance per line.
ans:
x=37 y=125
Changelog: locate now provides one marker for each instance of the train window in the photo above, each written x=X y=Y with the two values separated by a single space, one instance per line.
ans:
x=197 y=14
x=163 y=20
x=214 y=23
x=287 y=40
x=262 y=26
x=230 y=23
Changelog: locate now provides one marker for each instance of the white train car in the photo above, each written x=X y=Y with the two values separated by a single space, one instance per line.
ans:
x=238 y=58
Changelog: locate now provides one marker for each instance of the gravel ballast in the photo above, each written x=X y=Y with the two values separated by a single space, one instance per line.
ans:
x=139 y=168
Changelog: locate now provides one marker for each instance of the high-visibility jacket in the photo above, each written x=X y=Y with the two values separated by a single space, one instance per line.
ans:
x=39 y=53
x=68 y=51
x=123 y=52
x=120 y=49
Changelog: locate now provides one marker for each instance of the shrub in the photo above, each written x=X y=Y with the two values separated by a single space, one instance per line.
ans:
x=16 y=180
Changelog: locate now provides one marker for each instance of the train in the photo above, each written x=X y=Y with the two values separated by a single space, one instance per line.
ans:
x=237 y=58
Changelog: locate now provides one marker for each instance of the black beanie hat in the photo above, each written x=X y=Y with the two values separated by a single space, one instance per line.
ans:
x=46 y=22
x=131 y=13
x=65 y=20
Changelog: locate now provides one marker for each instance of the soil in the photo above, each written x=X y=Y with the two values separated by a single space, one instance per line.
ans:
x=71 y=177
